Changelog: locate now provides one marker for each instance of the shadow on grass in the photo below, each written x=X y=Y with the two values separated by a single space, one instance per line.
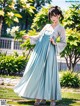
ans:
x=63 y=102
x=31 y=103
x=66 y=102
x=26 y=102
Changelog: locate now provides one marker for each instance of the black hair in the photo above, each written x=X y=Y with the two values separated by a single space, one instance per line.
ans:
x=55 y=10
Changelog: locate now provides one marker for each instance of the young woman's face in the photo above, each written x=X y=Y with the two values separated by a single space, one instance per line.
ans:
x=55 y=18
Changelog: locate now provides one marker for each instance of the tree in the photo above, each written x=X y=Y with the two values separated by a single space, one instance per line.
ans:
x=28 y=18
x=72 y=17
x=40 y=3
x=27 y=10
x=41 y=18
x=72 y=24
x=24 y=8
x=10 y=11
x=72 y=50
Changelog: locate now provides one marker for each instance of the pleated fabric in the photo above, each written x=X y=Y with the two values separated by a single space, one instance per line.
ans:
x=41 y=79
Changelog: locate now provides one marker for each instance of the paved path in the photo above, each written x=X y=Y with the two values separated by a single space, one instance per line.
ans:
x=8 y=81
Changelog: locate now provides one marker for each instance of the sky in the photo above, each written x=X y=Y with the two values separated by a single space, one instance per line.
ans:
x=63 y=4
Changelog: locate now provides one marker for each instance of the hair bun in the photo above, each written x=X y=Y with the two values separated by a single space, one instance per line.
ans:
x=56 y=7
x=55 y=10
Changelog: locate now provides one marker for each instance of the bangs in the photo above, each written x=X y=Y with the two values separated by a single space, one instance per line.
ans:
x=53 y=13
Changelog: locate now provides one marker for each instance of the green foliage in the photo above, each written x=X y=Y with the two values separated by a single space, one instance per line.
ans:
x=69 y=79
x=73 y=42
x=11 y=64
x=72 y=24
x=26 y=5
x=40 y=3
x=19 y=12
x=72 y=17
x=72 y=50
x=32 y=32
x=40 y=19
x=11 y=13
x=19 y=34
x=26 y=45
x=14 y=11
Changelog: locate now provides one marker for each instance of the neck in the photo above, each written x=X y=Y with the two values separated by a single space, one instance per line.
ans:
x=55 y=24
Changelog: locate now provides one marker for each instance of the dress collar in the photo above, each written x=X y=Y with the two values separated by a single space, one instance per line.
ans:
x=55 y=26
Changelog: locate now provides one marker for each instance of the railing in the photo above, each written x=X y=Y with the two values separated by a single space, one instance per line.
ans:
x=10 y=45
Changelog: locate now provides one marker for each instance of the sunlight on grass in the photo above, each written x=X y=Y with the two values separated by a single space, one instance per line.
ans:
x=7 y=93
x=68 y=98
x=8 y=76
x=71 y=95
x=24 y=103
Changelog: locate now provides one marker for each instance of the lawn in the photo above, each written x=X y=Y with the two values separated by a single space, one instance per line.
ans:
x=70 y=97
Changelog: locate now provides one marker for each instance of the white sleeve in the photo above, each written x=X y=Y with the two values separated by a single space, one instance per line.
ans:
x=34 y=39
x=62 y=44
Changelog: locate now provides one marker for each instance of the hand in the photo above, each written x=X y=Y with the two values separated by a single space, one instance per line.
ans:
x=25 y=37
x=52 y=41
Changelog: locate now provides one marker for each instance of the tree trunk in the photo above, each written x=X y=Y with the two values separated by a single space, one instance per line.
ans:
x=1 y=17
x=1 y=22
x=70 y=64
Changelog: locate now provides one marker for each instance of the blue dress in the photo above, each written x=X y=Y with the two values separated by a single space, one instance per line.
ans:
x=41 y=79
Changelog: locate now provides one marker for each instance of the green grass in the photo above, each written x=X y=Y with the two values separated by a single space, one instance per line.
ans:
x=71 y=98
x=7 y=93
x=9 y=76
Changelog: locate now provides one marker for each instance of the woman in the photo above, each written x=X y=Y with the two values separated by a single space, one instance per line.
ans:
x=41 y=80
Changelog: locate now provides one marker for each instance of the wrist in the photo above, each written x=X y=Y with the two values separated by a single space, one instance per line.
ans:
x=27 y=36
x=54 y=43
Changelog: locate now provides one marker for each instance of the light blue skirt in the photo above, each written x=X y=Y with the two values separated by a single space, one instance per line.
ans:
x=41 y=78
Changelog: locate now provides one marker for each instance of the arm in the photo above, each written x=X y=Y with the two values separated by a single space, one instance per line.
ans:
x=62 y=44
x=34 y=39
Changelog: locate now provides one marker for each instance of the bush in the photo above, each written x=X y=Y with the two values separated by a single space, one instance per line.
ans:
x=12 y=65
x=70 y=79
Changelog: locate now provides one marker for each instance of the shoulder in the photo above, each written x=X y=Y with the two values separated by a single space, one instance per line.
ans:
x=47 y=25
x=61 y=28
